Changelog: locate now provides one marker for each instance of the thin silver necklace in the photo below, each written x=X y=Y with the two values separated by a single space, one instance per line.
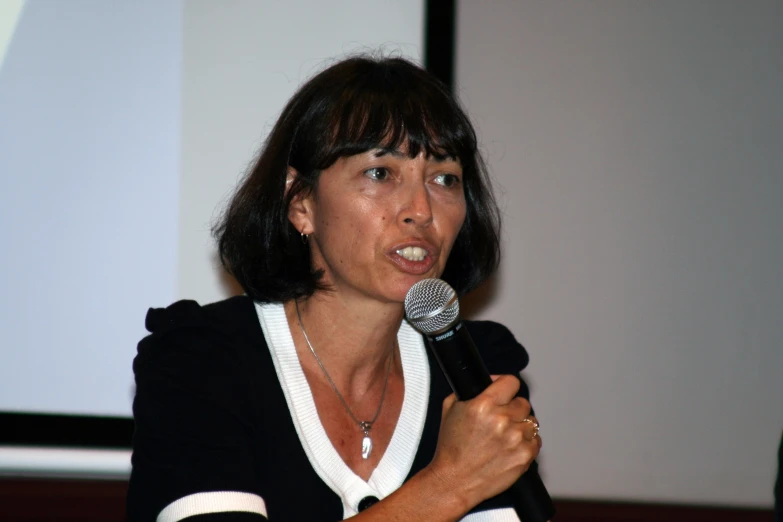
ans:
x=365 y=426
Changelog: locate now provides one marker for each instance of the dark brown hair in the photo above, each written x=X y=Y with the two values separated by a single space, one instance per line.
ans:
x=356 y=105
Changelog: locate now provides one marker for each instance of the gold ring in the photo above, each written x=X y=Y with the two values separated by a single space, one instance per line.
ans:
x=535 y=425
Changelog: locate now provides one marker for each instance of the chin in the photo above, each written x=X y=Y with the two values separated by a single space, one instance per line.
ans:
x=397 y=290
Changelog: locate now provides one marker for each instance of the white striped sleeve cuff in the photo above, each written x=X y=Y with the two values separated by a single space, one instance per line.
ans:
x=212 y=502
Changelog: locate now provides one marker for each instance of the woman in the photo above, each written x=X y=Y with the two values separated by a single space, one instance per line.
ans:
x=310 y=397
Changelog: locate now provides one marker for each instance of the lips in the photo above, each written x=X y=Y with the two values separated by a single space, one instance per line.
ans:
x=414 y=257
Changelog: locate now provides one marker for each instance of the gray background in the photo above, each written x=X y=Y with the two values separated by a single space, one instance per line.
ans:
x=637 y=152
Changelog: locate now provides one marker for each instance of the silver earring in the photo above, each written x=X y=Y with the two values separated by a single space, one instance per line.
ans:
x=304 y=238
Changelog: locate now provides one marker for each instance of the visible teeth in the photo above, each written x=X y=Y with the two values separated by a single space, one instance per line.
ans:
x=413 y=253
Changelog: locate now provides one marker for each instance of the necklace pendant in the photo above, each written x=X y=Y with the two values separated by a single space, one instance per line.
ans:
x=366 y=441
x=366 y=446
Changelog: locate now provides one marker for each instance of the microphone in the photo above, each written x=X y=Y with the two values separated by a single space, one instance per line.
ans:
x=432 y=308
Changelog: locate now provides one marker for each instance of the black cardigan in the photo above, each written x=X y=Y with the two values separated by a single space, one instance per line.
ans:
x=211 y=416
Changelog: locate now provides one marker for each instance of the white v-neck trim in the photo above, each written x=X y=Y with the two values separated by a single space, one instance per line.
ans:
x=327 y=463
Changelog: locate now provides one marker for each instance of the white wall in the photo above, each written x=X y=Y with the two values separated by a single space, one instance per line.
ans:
x=123 y=125
x=89 y=158
x=637 y=148
x=242 y=62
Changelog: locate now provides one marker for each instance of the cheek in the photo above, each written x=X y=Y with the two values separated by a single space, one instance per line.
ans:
x=351 y=231
x=455 y=220
x=463 y=213
x=456 y=217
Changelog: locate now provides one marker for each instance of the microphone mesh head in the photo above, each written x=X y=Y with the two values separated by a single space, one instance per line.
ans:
x=431 y=305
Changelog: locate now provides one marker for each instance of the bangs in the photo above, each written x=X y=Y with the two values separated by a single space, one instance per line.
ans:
x=391 y=109
x=357 y=105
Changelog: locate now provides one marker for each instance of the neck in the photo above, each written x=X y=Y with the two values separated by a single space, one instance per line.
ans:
x=353 y=340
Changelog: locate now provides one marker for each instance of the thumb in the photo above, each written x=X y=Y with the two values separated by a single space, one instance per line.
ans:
x=448 y=402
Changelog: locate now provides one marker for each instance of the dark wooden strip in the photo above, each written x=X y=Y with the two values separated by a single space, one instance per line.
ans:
x=38 y=500
x=592 y=511
x=27 y=429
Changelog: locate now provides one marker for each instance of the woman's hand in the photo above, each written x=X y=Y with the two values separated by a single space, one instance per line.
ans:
x=485 y=443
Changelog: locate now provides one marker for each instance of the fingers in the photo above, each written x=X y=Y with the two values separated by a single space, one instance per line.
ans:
x=448 y=402
x=531 y=429
x=518 y=409
x=492 y=436
x=501 y=398
x=503 y=389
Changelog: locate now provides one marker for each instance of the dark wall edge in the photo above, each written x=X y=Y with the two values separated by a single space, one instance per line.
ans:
x=439 y=39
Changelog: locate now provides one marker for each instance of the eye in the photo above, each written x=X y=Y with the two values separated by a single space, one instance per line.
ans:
x=447 y=180
x=377 y=173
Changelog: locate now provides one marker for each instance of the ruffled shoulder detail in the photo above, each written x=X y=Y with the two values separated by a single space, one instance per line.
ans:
x=186 y=332
x=190 y=313
x=500 y=350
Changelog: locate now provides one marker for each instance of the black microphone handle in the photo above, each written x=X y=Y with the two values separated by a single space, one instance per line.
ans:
x=468 y=376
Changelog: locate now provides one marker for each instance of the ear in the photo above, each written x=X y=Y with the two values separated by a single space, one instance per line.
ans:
x=300 y=211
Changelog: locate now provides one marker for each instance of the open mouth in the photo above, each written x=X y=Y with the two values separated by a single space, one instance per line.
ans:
x=412 y=253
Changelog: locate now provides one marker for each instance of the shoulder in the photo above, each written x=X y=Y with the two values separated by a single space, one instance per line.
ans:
x=199 y=363
x=186 y=334
x=198 y=411
x=226 y=314
x=501 y=352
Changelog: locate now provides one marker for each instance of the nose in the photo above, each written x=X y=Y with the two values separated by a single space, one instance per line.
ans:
x=417 y=207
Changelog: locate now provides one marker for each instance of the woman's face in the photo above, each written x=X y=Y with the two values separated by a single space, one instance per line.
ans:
x=380 y=221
